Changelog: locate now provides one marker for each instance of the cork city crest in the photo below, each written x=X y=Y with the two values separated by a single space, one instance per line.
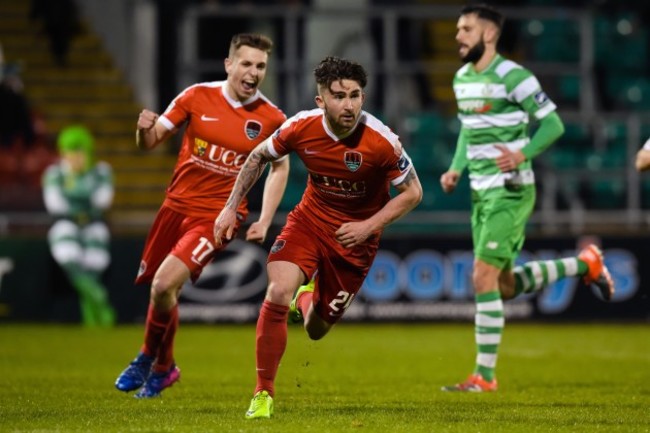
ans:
x=278 y=245
x=353 y=160
x=253 y=129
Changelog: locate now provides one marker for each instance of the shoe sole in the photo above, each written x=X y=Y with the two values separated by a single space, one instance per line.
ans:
x=606 y=288
x=473 y=390
x=128 y=389
x=265 y=416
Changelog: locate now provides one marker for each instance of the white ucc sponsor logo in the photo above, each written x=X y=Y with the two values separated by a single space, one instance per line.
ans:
x=218 y=154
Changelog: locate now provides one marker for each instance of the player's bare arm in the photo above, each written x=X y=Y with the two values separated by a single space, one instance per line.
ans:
x=248 y=175
x=276 y=183
x=410 y=195
x=642 y=162
x=149 y=132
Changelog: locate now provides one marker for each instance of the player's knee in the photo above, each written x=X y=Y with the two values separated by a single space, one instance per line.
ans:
x=485 y=275
x=280 y=294
x=482 y=281
x=162 y=288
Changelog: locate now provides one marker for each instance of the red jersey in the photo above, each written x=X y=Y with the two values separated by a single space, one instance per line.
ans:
x=220 y=134
x=348 y=177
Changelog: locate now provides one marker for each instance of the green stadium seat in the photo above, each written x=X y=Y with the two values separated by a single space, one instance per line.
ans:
x=553 y=40
x=606 y=194
x=617 y=52
x=565 y=158
x=569 y=86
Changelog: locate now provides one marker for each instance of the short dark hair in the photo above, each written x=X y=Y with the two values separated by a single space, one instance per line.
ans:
x=254 y=40
x=332 y=69
x=486 y=12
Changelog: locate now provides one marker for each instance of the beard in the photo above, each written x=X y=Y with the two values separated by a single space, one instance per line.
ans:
x=475 y=53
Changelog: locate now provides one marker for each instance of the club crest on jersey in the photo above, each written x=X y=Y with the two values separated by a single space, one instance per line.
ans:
x=353 y=160
x=253 y=129
x=278 y=245
x=540 y=97
x=200 y=146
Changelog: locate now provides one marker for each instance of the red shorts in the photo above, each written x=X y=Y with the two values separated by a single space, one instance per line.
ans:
x=341 y=271
x=190 y=239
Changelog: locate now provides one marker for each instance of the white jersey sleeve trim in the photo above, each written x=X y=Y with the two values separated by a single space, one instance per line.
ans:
x=505 y=67
x=524 y=89
x=166 y=123
x=399 y=179
x=381 y=128
x=545 y=110
x=270 y=146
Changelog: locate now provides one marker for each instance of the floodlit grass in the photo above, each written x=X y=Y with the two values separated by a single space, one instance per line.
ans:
x=360 y=378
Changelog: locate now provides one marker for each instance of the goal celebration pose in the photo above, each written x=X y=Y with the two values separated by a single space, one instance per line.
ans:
x=332 y=235
x=225 y=121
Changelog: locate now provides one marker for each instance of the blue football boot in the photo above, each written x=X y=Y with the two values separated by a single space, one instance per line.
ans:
x=136 y=374
x=159 y=381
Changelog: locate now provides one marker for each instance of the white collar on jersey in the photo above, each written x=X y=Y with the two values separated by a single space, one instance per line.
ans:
x=335 y=137
x=236 y=103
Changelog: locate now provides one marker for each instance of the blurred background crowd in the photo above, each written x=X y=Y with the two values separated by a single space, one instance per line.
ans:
x=65 y=62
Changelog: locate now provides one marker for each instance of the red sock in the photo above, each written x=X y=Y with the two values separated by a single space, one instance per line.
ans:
x=303 y=302
x=154 y=330
x=166 y=349
x=270 y=344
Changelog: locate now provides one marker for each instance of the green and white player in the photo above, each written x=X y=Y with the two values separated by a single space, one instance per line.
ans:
x=77 y=191
x=496 y=99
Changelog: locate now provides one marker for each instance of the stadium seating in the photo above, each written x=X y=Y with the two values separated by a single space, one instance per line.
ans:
x=552 y=40
x=92 y=91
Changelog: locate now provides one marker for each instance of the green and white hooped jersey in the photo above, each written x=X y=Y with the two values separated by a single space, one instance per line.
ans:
x=68 y=195
x=494 y=107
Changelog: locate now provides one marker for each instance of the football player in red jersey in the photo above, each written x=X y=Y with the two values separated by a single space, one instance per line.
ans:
x=332 y=235
x=224 y=122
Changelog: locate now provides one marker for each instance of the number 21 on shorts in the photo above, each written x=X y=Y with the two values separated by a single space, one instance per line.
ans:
x=341 y=302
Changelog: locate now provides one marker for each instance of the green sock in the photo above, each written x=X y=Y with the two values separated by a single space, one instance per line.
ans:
x=489 y=326
x=87 y=313
x=534 y=276
x=95 y=307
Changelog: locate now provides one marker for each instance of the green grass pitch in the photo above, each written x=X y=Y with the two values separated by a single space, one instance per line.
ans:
x=360 y=378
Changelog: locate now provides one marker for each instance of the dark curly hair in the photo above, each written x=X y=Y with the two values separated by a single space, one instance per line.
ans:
x=486 y=12
x=332 y=69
